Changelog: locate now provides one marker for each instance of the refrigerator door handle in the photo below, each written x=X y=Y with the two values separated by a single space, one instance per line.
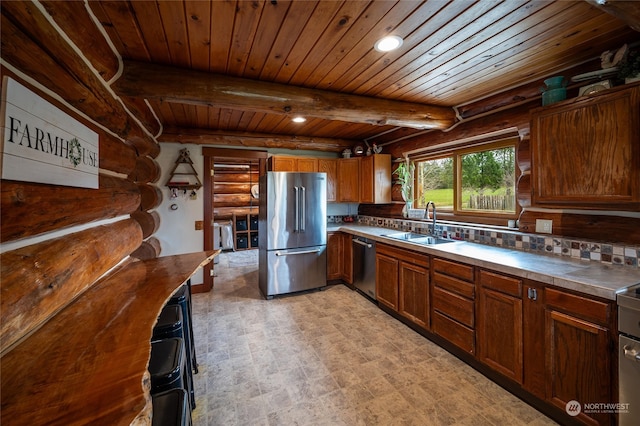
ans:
x=303 y=213
x=280 y=253
x=297 y=209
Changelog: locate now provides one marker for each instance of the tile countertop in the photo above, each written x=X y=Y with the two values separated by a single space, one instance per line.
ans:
x=591 y=278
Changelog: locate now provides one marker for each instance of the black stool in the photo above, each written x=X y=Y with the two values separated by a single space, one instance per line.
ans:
x=170 y=324
x=167 y=365
x=171 y=408
x=182 y=297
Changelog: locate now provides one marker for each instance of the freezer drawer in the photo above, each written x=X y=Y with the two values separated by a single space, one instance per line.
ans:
x=292 y=270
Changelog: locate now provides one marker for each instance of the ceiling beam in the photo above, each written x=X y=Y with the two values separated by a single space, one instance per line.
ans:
x=625 y=10
x=253 y=140
x=171 y=84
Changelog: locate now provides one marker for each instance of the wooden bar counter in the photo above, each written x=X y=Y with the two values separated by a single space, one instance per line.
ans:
x=88 y=364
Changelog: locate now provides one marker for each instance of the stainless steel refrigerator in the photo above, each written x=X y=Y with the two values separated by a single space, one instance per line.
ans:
x=292 y=232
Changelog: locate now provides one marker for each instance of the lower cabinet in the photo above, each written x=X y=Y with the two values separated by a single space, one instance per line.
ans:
x=402 y=282
x=500 y=325
x=414 y=291
x=339 y=257
x=553 y=343
x=334 y=255
x=387 y=268
x=347 y=259
x=578 y=346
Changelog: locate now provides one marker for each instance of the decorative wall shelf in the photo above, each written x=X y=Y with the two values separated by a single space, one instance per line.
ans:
x=183 y=177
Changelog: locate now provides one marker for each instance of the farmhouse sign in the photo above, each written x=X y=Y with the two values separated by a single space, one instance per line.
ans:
x=43 y=144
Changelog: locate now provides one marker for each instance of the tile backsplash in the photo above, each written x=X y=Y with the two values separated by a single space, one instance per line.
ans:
x=612 y=254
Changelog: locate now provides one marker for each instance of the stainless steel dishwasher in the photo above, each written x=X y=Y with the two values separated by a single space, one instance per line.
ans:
x=364 y=266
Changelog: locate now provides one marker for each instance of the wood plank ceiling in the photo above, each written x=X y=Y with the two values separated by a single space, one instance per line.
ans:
x=454 y=52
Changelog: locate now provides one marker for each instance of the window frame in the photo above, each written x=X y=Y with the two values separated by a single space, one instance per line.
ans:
x=475 y=216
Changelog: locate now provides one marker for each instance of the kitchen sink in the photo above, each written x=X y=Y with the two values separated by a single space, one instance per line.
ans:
x=416 y=238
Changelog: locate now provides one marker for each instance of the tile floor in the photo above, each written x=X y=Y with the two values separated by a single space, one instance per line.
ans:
x=328 y=358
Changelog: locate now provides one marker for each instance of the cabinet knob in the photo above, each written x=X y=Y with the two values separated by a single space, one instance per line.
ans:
x=532 y=293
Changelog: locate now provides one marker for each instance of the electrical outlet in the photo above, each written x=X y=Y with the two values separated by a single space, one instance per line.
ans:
x=544 y=226
x=199 y=225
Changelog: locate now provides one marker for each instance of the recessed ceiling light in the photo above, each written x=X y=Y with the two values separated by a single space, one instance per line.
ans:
x=299 y=119
x=387 y=44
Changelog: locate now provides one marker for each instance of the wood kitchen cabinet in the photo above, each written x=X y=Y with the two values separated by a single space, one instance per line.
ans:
x=402 y=282
x=387 y=268
x=283 y=163
x=375 y=179
x=500 y=324
x=334 y=255
x=347 y=259
x=307 y=165
x=578 y=346
x=533 y=336
x=330 y=167
x=452 y=304
x=413 y=285
x=349 y=180
x=587 y=152
x=280 y=163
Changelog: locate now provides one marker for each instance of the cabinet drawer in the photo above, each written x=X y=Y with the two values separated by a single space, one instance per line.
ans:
x=456 y=270
x=454 y=332
x=405 y=255
x=583 y=307
x=454 y=285
x=501 y=283
x=454 y=306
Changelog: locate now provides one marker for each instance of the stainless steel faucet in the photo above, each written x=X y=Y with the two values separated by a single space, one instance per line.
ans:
x=426 y=215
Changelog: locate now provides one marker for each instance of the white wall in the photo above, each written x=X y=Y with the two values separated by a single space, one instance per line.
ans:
x=177 y=234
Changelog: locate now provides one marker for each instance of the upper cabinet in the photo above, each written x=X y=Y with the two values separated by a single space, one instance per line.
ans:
x=586 y=152
x=330 y=167
x=375 y=179
x=349 y=180
x=281 y=163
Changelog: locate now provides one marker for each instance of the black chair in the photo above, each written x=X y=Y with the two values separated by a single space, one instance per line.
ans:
x=167 y=366
x=171 y=408
x=171 y=324
x=182 y=297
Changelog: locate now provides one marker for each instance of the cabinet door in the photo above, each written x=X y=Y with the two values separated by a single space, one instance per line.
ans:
x=499 y=332
x=578 y=363
x=587 y=152
x=533 y=336
x=366 y=180
x=283 y=164
x=375 y=179
x=414 y=293
x=330 y=167
x=307 y=165
x=334 y=255
x=347 y=260
x=387 y=280
x=349 y=180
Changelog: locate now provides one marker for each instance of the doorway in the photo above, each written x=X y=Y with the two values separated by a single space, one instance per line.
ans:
x=230 y=175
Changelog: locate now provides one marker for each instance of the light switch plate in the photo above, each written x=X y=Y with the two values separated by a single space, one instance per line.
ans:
x=544 y=226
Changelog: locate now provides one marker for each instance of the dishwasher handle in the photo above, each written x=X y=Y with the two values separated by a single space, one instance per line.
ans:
x=362 y=243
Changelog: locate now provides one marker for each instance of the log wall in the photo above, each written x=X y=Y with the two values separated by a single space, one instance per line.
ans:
x=232 y=188
x=57 y=242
